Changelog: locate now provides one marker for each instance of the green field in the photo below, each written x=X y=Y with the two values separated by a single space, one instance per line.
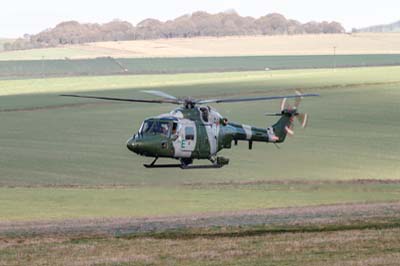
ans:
x=253 y=63
x=110 y=66
x=49 y=143
x=24 y=204
x=67 y=179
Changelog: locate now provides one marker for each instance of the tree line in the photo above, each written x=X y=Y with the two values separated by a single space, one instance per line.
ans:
x=187 y=26
x=393 y=27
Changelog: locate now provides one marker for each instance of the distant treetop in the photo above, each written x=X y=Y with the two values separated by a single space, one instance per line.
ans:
x=228 y=23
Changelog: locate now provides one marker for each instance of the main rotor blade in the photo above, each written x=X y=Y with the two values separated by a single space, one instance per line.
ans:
x=161 y=94
x=298 y=99
x=273 y=114
x=283 y=104
x=252 y=99
x=121 y=99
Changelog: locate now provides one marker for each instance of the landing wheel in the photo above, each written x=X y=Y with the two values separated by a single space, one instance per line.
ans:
x=213 y=159
x=219 y=161
x=186 y=162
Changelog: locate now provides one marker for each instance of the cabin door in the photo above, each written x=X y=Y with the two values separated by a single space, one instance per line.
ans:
x=188 y=137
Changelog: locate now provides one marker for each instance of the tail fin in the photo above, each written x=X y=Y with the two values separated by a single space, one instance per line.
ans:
x=283 y=127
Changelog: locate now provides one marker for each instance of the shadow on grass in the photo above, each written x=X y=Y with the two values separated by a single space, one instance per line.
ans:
x=249 y=231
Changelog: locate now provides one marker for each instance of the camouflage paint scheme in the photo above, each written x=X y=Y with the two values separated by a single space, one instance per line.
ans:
x=197 y=131
x=212 y=133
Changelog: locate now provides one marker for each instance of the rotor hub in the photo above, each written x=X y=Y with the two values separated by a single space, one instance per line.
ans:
x=189 y=103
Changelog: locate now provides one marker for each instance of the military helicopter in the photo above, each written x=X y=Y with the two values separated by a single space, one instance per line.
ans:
x=197 y=131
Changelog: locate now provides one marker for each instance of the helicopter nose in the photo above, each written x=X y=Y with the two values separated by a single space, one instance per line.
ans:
x=132 y=145
x=136 y=146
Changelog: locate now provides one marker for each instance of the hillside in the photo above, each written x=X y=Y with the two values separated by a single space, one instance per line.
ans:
x=321 y=44
x=393 y=27
x=186 y=26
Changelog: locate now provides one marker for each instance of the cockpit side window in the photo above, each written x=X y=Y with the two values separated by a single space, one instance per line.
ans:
x=158 y=127
x=204 y=114
x=174 y=128
x=162 y=127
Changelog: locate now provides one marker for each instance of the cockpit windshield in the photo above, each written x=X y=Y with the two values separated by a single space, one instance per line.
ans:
x=146 y=126
x=156 y=127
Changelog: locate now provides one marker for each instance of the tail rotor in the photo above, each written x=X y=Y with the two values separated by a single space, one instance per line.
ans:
x=303 y=119
x=291 y=112
x=289 y=130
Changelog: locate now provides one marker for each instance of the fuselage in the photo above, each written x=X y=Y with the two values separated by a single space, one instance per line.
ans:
x=196 y=133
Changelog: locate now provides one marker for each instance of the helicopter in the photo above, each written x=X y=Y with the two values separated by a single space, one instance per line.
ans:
x=196 y=131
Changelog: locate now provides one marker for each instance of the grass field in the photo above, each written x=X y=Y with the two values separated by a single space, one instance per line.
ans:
x=357 y=243
x=51 y=143
x=126 y=66
x=24 y=204
x=72 y=194
x=346 y=248
x=362 y=43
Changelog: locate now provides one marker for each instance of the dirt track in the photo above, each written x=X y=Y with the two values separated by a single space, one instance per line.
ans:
x=381 y=213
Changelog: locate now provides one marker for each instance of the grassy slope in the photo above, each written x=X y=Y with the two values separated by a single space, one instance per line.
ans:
x=318 y=247
x=239 y=46
x=201 y=84
x=21 y=204
x=352 y=132
x=353 y=135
